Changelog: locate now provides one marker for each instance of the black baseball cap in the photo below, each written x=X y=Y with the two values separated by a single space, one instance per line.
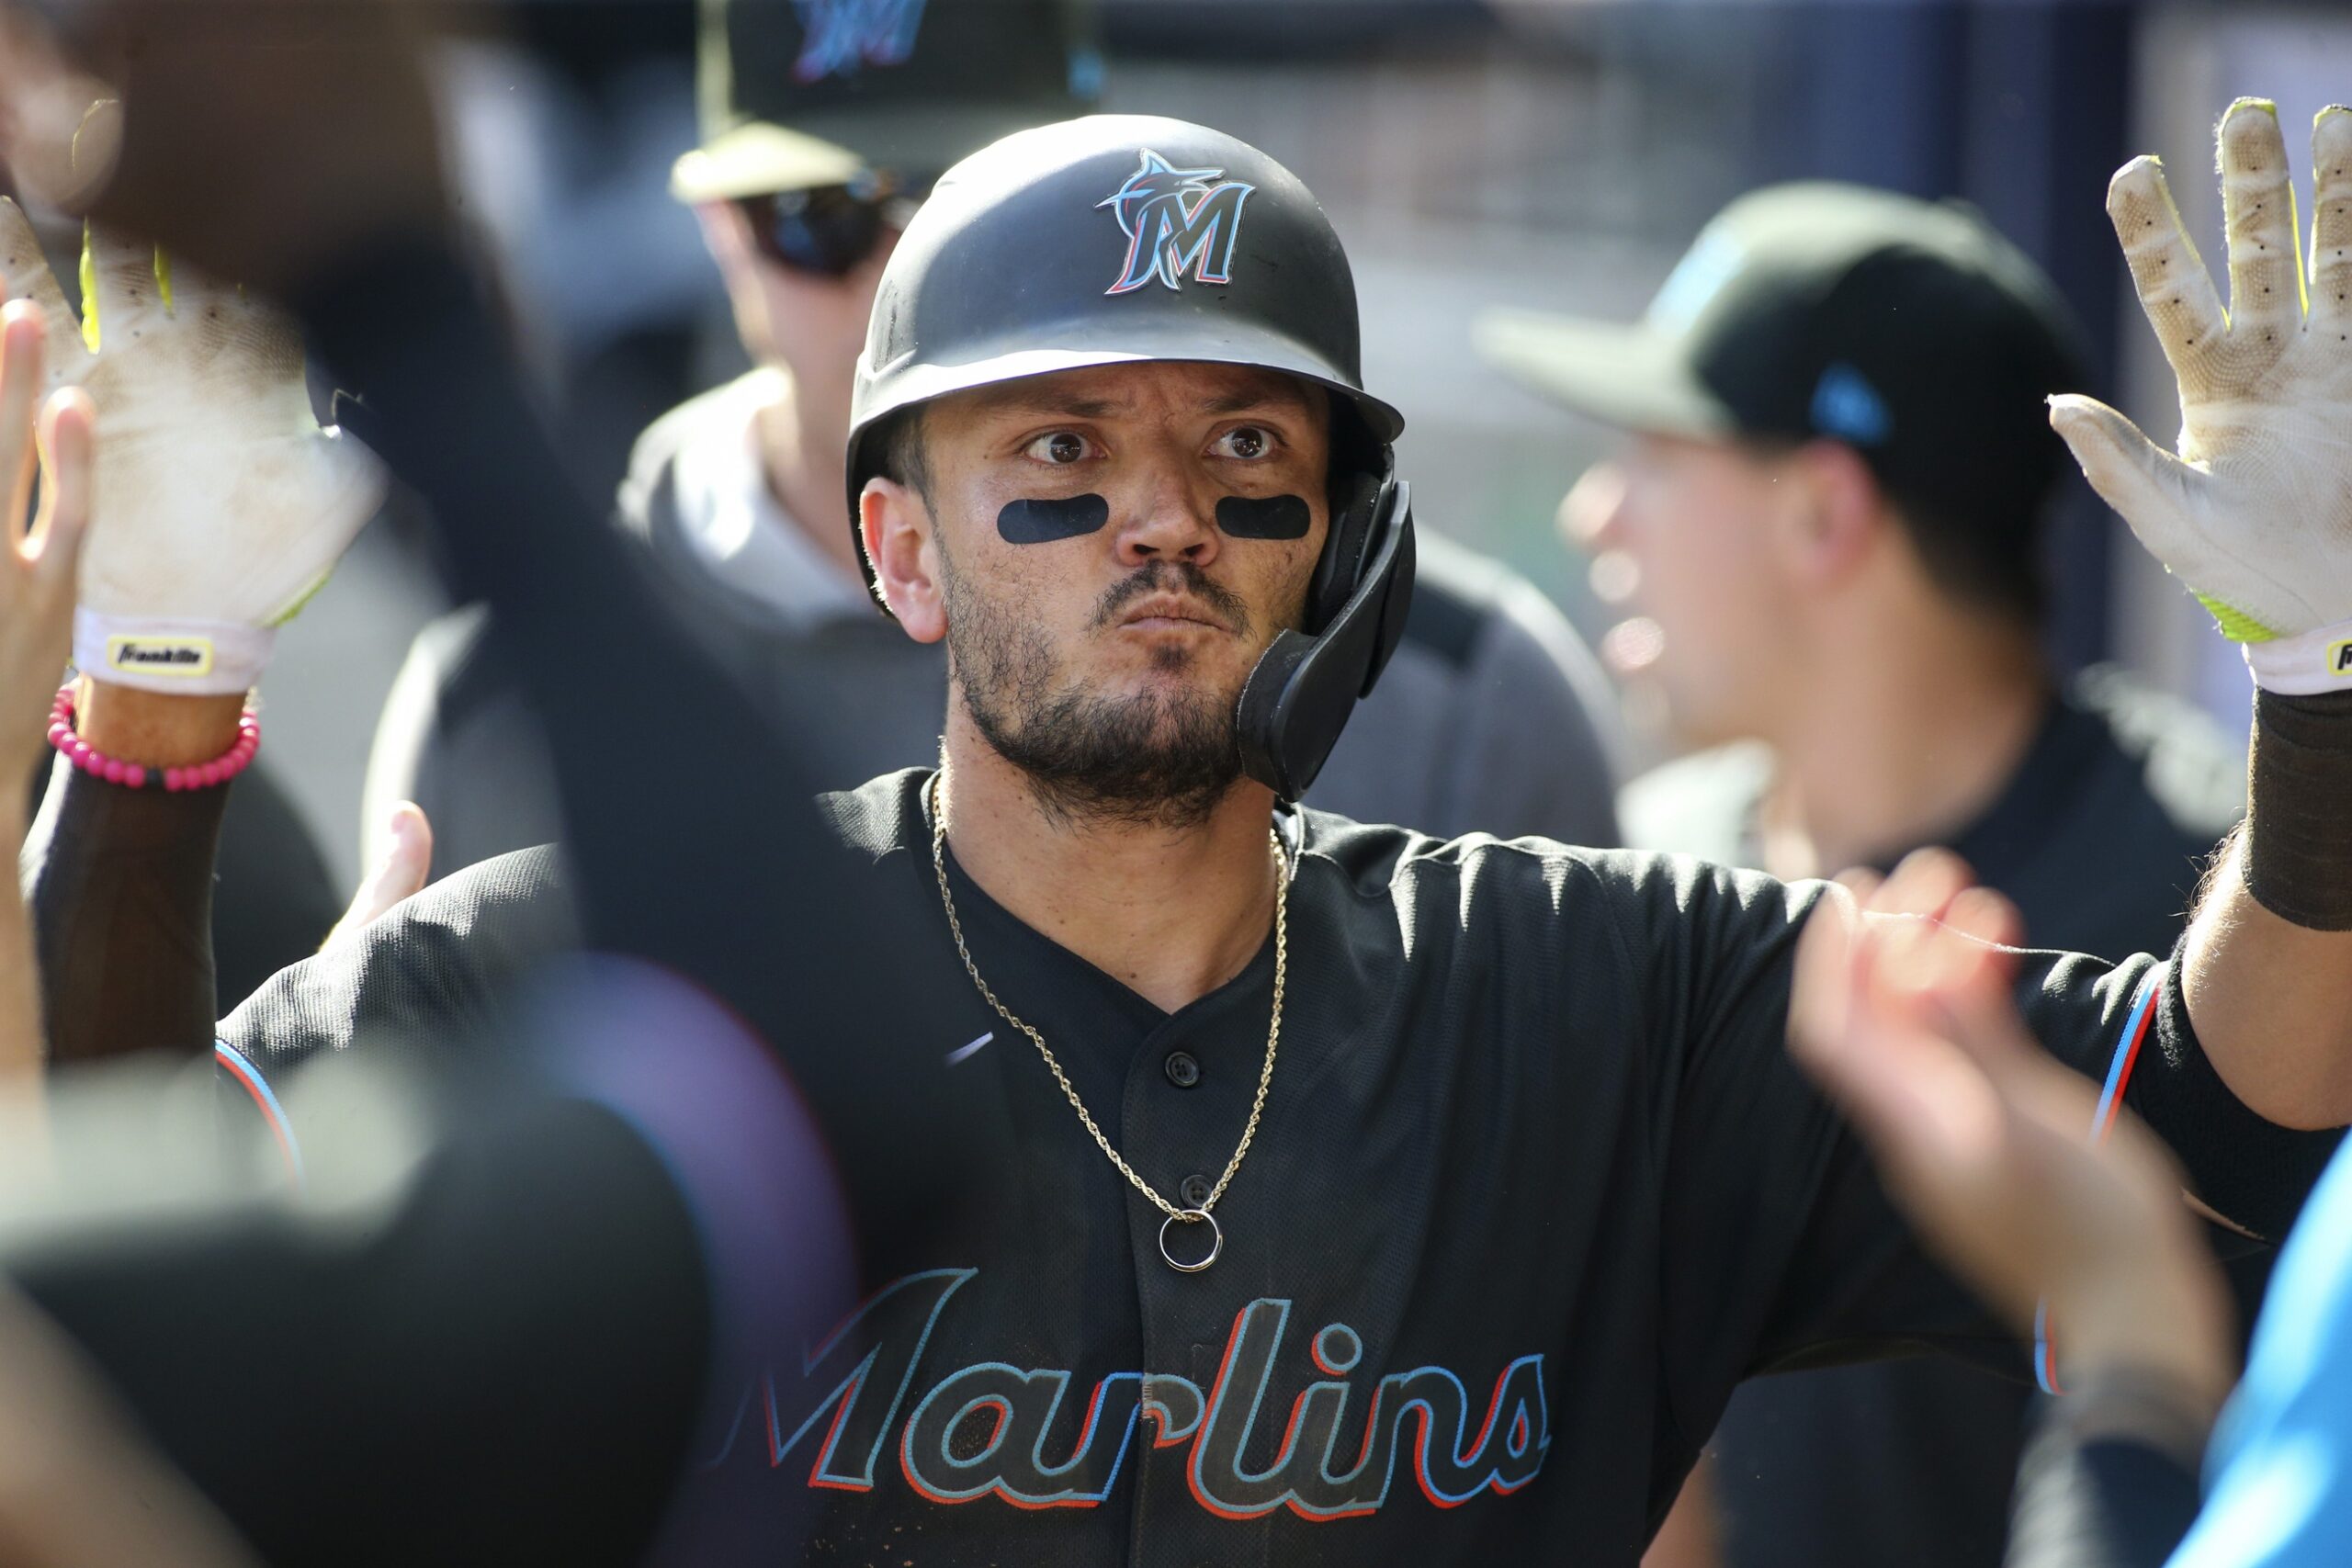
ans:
x=1911 y=331
x=796 y=94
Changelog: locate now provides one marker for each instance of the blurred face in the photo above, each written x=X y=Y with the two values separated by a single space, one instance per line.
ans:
x=811 y=324
x=1110 y=551
x=1682 y=534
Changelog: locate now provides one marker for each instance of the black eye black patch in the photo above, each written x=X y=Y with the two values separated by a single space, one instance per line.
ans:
x=1043 y=521
x=1264 y=517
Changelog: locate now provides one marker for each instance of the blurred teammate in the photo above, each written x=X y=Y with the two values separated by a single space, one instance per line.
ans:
x=1522 y=1109
x=825 y=125
x=1984 y=1147
x=1830 y=506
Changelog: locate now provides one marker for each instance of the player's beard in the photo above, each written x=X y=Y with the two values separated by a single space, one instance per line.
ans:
x=1163 y=758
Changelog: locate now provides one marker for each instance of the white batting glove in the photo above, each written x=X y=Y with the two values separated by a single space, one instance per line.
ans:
x=220 y=503
x=2256 y=512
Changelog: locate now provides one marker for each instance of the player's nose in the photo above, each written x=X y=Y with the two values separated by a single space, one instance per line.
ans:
x=1170 y=517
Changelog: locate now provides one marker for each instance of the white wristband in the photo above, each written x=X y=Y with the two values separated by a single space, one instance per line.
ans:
x=2304 y=665
x=192 y=658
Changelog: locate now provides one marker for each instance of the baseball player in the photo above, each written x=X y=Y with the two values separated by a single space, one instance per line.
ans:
x=1326 y=1192
x=825 y=123
x=1831 y=490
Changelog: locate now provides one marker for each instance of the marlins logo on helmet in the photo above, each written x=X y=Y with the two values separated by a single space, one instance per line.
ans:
x=840 y=38
x=1176 y=218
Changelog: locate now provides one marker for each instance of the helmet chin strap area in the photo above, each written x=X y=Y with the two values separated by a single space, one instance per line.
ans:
x=1299 y=695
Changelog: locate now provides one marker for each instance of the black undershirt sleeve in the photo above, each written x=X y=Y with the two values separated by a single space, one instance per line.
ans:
x=2252 y=1171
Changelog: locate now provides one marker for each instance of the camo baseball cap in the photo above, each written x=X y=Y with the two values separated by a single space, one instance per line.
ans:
x=800 y=94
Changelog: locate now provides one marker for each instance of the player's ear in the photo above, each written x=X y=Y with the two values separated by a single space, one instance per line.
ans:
x=895 y=526
x=1837 y=512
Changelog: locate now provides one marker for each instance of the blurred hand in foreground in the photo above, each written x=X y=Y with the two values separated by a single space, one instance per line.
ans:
x=263 y=140
x=78 y=1487
x=36 y=574
x=406 y=863
x=52 y=433
x=1903 y=1011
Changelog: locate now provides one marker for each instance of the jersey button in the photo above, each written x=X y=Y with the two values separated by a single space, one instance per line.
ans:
x=1195 y=1191
x=1183 y=1071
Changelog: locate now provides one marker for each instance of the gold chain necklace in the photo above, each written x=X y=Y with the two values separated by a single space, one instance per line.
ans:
x=1200 y=1215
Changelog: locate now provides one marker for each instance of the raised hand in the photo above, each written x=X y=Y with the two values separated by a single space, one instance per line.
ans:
x=2255 y=512
x=401 y=872
x=222 y=504
x=37 y=568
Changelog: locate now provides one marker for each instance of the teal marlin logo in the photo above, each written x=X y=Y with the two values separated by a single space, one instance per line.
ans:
x=1176 y=221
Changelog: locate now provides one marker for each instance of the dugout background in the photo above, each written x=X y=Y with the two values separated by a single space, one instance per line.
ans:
x=1546 y=152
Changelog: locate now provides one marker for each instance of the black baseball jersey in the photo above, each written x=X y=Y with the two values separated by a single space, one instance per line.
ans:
x=1536 y=1185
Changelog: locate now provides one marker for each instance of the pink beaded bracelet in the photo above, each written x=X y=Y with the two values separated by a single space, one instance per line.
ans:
x=133 y=775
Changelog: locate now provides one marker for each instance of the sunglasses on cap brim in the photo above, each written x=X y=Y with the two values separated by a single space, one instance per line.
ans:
x=828 y=230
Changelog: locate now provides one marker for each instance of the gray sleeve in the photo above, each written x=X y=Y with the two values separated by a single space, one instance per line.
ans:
x=1533 y=758
x=458 y=740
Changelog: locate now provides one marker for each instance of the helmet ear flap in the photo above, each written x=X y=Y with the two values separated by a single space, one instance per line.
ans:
x=1340 y=567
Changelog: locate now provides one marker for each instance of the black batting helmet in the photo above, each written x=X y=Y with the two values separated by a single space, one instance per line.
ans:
x=1117 y=239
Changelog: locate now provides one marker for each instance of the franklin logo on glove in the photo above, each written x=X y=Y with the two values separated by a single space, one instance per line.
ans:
x=153 y=656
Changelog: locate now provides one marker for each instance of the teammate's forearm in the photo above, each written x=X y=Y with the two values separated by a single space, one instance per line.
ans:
x=119 y=882
x=2267 y=963
x=693 y=834
x=612 y=680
